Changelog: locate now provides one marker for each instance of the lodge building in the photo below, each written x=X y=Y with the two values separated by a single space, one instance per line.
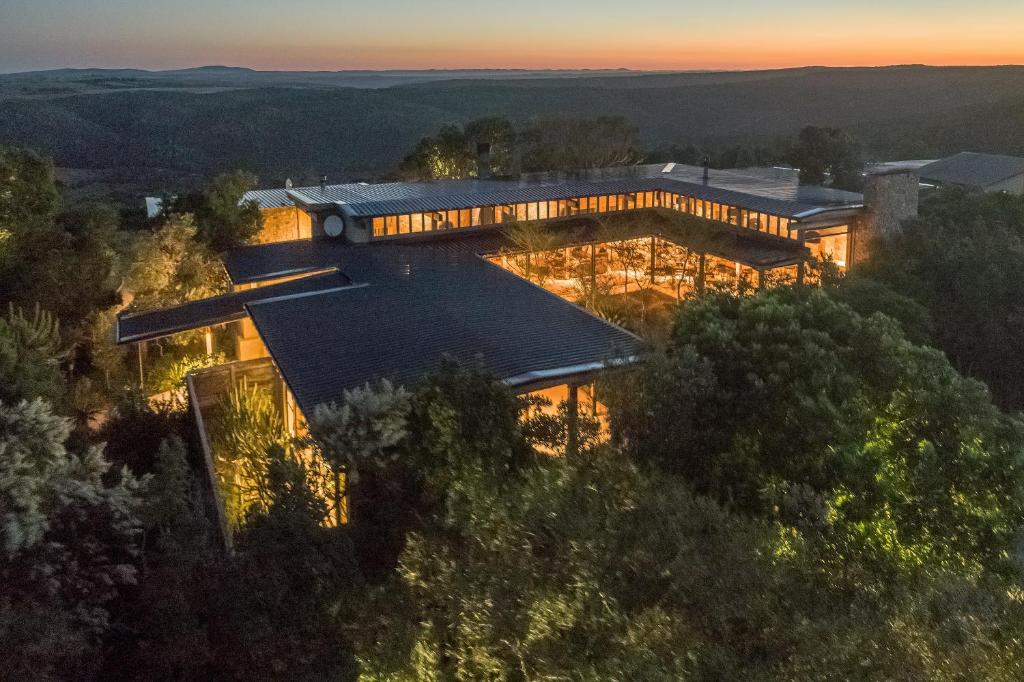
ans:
x=360 y=281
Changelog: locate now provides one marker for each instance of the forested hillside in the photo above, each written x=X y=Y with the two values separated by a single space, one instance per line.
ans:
x=205 y=122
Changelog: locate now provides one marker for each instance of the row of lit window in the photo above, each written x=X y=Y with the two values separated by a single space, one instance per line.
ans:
x=734 y=215
x=415 y=223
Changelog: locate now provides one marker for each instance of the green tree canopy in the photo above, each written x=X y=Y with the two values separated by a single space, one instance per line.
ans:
x=790 y=405
x=169 y=266
x=28 y=191
x=444 y=156
x=828 y=156
x=70 y=545
x=548 y=144
x=563 y=144
x=590 y=568
x=223 y=220
x=961 y=260
x=31 y=357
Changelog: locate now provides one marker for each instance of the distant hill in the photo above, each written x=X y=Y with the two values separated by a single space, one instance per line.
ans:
x=200 y=121
x=79 y=80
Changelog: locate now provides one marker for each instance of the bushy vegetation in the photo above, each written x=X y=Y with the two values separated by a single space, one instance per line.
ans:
x=797 y=486
x=959 y=263
x=552 y=144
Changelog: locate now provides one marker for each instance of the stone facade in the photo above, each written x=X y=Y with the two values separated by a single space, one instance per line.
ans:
x=889 y=199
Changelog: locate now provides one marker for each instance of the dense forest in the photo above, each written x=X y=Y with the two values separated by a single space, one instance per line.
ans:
x=808 y=482
x=142 y=132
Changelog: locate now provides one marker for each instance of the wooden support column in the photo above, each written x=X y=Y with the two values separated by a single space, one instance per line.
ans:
x=593 y=276
x=800 y=272
x=654 y=258
x=140 y=348
x=760 y=280
x=573 y=409
x=700 y=274
x=208 y=338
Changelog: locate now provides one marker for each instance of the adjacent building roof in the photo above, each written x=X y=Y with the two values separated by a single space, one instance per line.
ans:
x=775 y=191
x=154 y=324
x=973 y=170
x=437 y=303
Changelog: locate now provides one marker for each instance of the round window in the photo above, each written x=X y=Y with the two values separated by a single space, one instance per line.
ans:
x=334 y=226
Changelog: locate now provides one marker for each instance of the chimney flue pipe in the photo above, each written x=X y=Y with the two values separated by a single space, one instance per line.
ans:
x=483 y=160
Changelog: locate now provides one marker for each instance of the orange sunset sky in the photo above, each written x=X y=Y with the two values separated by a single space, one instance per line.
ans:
x=391 y=34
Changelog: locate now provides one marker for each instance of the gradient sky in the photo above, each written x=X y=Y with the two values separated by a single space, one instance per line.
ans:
x=390 y=34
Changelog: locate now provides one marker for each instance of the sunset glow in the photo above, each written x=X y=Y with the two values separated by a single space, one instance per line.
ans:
x=390 y=34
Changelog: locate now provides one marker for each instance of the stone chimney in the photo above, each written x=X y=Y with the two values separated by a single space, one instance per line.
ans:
x=890 y=197
x=483 y=161
x=707 y=169
x=323 y=183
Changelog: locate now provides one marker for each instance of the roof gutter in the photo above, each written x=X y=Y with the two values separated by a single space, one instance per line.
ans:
x=819 y=211
x=546 y=375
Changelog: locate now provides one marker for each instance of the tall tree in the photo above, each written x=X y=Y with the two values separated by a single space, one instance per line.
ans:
x=223 y=220
x=32 y=357
x=28 y=190
x=445 y=156
x=828 y=156
x=70 y=545
x=170 y=266
x=961 y=260
x=560 y=144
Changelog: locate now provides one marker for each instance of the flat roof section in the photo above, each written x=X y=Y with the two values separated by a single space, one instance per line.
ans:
x=154 y=324
x=443 y=304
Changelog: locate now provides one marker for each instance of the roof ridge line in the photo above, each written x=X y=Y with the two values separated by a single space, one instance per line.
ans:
x=304 y=294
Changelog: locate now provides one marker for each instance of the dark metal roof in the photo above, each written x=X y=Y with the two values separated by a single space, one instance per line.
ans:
x=153 y=324
x=775 y=191
x=266 y=261
x=437 y=304
x=973 y=170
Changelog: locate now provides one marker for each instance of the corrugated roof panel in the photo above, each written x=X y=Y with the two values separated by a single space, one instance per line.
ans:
x=153 y=324
x=973 y=170
x=771 y=190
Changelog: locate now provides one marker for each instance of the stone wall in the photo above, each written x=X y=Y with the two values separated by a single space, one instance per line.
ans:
x=889 y=199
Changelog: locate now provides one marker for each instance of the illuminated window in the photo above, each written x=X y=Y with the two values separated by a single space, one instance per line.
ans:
x=784 y=227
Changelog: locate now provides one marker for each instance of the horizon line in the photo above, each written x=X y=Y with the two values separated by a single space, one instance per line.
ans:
x=508 y=69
